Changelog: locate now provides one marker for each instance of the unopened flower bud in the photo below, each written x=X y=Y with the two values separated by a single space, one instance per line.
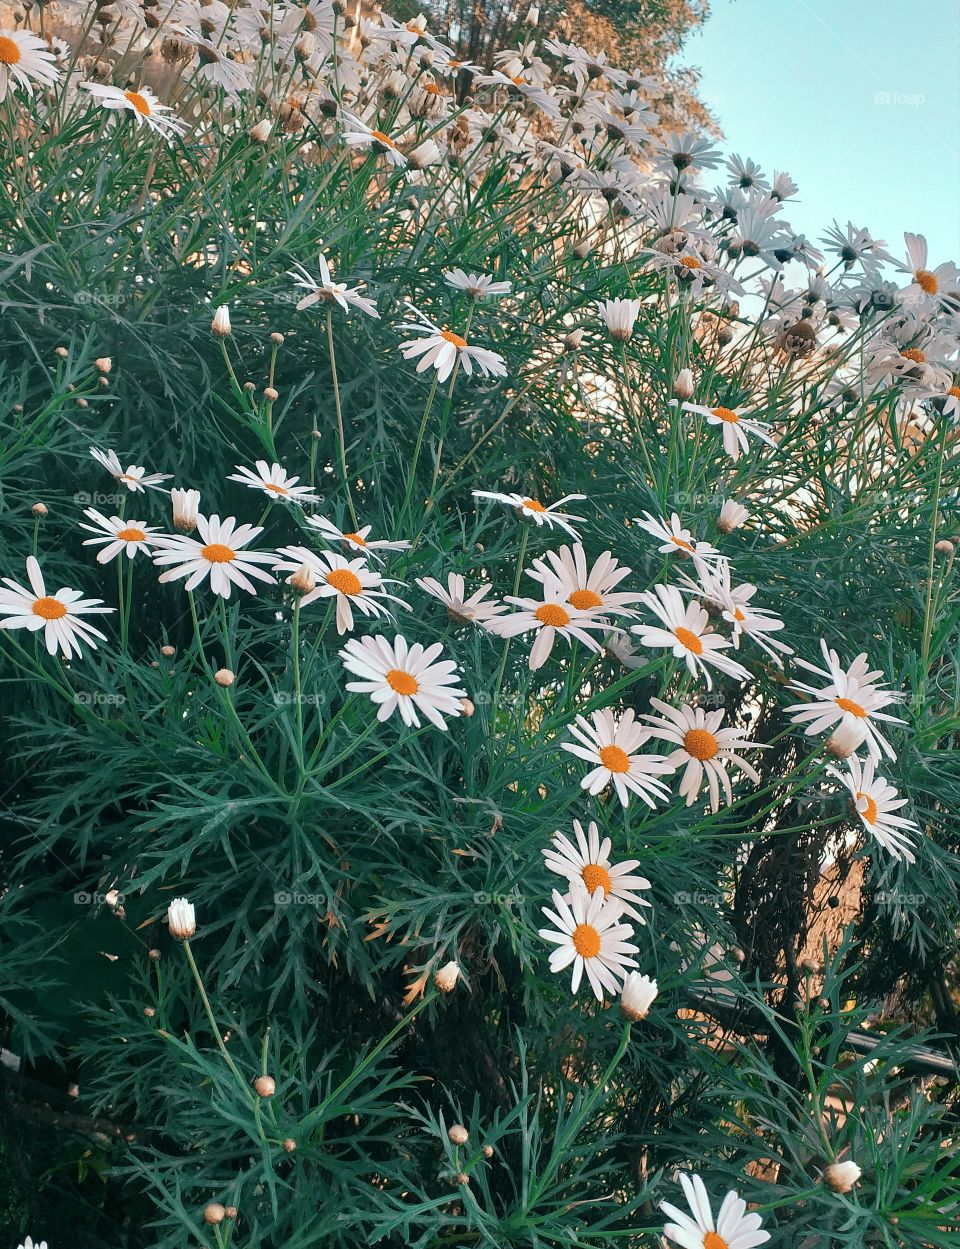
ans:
x=458 y=1134
x=276 y=339
x=40 y=509
x=221 y=322
x=841 y=1176
x=214 y=1212
x=104 y=364
x=846 y=740
x=62 y=352
x=732 y=516
x=231 y=1212
x=266 y=1086
x=574 y=340
x=304 y=580
x=488 y=1151
x=149 y=1012
x=167 y=651
x=224 y=677
x=186 y=505
x=446 y=978
x=944 y=547
x=638 y=996
x=289 y=1144
x=533 y=15
x=683 y=384
x=270 y=394
x=467 y=707
x=260 y=133
x=181 y=919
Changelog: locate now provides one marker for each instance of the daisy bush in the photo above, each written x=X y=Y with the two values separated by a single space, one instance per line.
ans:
x=478 y=634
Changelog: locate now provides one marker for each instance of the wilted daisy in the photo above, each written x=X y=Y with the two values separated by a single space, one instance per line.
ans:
x=619 y=316
x=732 y=516
x=407 y=678
x=552 y=617
x=736 y=424
x=876 y=801
x=675 y=538
x=684 y=629
x=443 y=349
x=612 y=746
x=703 y=749
x=115 y=534
x=733 y=1229
x=540 y=513
x=274 y=482
x=351 y=582
x=357 y=133
x=218 y=554
x=59 y=615
x=476 y=285
x=474 y=609
x=852 y=697
x=328 y=291
x=25 y=60
x=355 y=541
x=142 y=105
x=588 y=863
x=588 y=589
x=134 y=477
x=588 y=934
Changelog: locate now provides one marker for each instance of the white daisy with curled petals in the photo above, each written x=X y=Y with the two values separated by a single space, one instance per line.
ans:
x=443 y=349
x=553 y=617
x=588 y=934
x=134 y=476
x=115 y=534
x=612 y=747
x=142 y=105
x=25 y=60
x=476 y=285
x=736 y=424
x=328 y=291
x=349 y=581
x=359 y=541
x=404 y=678
x=853 y=699
x=357 y=133
x=733 y=602
x=218 y=554
x=475 y=609
x=274 y=482
x=59 y=615
x=875 y=802
x=676 y=539
x=588 y=863
x=684 y=629
x=734 y=1227
x=589 y=589
x=704 y=747
x=540 y=513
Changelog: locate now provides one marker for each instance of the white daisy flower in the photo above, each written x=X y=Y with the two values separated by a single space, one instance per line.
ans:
x=359 y=541
x=588 y=589
x=442 y=349
x=733 y=604
x=25 y=60
x=555 y=615
x=33 y=1244
x=685 y=631
x=588 y=934
x=134 y=477
x=852 y=698
x=732 y=516
x=219 y=554
x=704 y=747
x=115 y=534
x=929 y=285
x=351 y=582
x=619 y=316
x=476 y=285
x=539 y=513
x=357 y=133
x=611 y=745
x=676 y=539
x=274 y=482
x=58 y=615
x=736 y=424
x=328 y=291
x=734 y=1228
x=876 y=801
x=407 y=678
x=464 y=610
x=588 y=863
x=639 y=994
x=142 y=105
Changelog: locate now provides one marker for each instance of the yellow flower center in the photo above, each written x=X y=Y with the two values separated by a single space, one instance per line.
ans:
x=272 y=485
x=738 y=615
x=596 y=877
x=700 y=744
x=533 y=506
x=923 y=277
x=870 y=815
x=713 y=1240
x=914 y=354
x=846 y=704
x=683 y=545
x=9 y=51
x=688 y=639
x=354 y=537
x=131 y=535
x=345 y=581
x=954 y=391
x=382 y=138
x=583 y=600
x=726 y=414
x=518 y=80
x=49 y=608
x=402 y=682
x=138 y=102
x=614 y=759
x=690 y=262
x=457 y=341
x=217 y=553
x=552 y=614
x=586 y=941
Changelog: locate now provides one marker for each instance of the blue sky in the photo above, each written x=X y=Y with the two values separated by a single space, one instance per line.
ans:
x=858 y=100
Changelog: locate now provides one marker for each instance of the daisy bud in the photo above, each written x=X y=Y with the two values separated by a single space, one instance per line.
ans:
x=446 y=978
x=149 y=1012
x=467 y=707
x=266 y=1086
x=185 y=504
x=724 y=335
x=305 y=47
x=846 y=740
x=683 y=385
x=944 y=547
x=488 y=1151
x=289 y=1145
x=230 y=1211
x=276 y=338
x=463 y=1178
x=458 y=1134
x=394 y=86
x=249 y=387
x=809 y=965
x=154 y=954
x=221 y=322
x=732 y=516
x=260 y=133
x=103 y=381
x=841 y=1176
x=620 y=316
x=638 y=995
x=167 y=651
x=304 y=580
x=40 y=509
x=533 y=15
x=270 y=394
x=181 y=919
x=581 y=249
x=214 y=1212
x=104 y=364
x=82 y=403
x=573 y=340
x=62 y=352
x=427 y=153
x=224 y=677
